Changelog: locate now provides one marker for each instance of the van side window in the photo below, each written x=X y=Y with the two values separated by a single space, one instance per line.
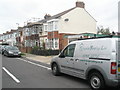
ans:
x=69 y=51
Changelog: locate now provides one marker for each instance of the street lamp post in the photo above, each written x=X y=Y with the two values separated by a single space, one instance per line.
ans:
x=17 y=33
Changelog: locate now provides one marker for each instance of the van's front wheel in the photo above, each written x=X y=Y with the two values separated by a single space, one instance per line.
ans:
x=96 y=81
x=55 y=69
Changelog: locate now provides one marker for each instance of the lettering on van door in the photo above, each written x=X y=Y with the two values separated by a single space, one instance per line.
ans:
x=91 y=47
x=94 y=50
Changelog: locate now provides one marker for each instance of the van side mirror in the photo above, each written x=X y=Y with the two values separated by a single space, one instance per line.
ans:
x=62 y=55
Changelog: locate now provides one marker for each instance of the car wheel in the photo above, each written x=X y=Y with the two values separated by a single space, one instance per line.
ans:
x=2 y=53
x=6 y=54
x=96 y=81
x=19 y=56
x=55 y=70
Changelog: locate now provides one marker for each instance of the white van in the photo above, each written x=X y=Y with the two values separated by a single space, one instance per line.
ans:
x=95 y=59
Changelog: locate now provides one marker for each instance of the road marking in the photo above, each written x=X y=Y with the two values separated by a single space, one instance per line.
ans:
x=11 y=75
x=35 y=64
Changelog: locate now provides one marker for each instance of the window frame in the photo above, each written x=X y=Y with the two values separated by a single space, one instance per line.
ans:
x=72 y=55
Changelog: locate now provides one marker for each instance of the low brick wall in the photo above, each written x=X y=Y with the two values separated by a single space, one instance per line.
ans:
x=25 y=49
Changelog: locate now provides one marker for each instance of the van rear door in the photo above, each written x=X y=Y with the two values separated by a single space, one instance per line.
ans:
x=118 y=59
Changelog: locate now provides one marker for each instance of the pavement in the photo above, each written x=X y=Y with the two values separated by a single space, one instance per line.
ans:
x=43 y=59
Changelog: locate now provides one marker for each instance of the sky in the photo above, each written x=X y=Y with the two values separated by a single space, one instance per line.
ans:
x=14 y=13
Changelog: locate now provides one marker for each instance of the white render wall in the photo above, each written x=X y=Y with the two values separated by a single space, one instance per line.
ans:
x=79 y=22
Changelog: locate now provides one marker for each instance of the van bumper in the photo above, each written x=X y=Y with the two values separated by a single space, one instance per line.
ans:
x=113 y=83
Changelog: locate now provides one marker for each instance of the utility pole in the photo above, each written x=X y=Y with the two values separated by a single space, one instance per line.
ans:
x=17 y=33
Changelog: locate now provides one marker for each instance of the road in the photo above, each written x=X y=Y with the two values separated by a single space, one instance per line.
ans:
x=23 y=73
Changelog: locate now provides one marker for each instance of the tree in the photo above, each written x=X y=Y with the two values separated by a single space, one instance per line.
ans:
x=101 y=30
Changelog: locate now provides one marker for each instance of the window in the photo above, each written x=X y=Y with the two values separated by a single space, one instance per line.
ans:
x=56 y=25
x=40 y=28
x=50 y=26
x=52 y=43
x=66 y=20
x=45 y=27
x=69 y=51
x=56 y=43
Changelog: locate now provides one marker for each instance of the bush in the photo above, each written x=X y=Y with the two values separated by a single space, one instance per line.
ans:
x=35 y=47
x=23 y=54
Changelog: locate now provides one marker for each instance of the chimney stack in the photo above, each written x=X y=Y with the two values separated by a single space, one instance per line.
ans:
x=80 y=4
x=47 y=16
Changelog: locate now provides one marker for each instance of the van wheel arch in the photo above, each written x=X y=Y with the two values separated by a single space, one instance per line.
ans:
x=94 y=73
x=53 y=64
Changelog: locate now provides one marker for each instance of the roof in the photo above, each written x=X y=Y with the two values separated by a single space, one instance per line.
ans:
x=13 y=30
x=57 y=15
x=9 y=32
x=90 y=15
x=61 y=14
x=32 y=24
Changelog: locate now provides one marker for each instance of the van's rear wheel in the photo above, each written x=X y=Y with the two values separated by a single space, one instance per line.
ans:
x=96 y=81
x=55 y=69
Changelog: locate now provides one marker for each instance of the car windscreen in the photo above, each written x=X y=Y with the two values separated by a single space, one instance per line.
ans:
x=12 y=48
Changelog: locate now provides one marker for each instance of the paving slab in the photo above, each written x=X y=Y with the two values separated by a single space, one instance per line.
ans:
x=43 y=59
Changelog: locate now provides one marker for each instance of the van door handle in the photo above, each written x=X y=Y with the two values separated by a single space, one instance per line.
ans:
x=71 y=59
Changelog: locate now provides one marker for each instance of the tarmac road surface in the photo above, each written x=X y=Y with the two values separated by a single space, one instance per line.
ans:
x=24 y=73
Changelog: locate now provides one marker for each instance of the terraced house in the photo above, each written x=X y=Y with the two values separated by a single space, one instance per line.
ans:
x=70 y=22
x=9 y=37
x=30 y=34
x=55 y=32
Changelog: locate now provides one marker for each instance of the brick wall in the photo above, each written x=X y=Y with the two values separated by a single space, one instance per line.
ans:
x=62 y=41
x=53 y=34
x=25 y=49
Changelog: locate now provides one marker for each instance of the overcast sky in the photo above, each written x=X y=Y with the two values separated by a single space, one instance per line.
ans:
x=20 y=11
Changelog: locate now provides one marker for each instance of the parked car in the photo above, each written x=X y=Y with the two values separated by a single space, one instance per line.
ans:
x=96 y=60
x=12 y=51
x=2 y=48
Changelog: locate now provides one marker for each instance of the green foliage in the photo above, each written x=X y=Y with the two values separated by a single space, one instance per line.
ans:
x=35 y=47
x=104 y=31
x=23 y=54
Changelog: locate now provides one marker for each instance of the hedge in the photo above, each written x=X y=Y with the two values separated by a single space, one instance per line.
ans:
x=45 y=52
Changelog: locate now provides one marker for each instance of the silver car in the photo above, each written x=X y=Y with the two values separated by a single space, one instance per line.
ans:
x=2 y=48
x=12 y=51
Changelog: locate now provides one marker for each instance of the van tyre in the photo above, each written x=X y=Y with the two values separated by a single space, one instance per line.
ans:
x=96 y=81
x=55 y=70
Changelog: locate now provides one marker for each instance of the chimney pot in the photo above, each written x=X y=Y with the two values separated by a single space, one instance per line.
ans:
x=80 y=4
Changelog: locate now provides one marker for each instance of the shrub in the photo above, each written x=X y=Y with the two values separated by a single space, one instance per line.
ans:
x=44 y=52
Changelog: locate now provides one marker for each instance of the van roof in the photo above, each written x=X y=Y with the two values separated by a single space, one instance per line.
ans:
x=107 y=37
x=110 y=36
